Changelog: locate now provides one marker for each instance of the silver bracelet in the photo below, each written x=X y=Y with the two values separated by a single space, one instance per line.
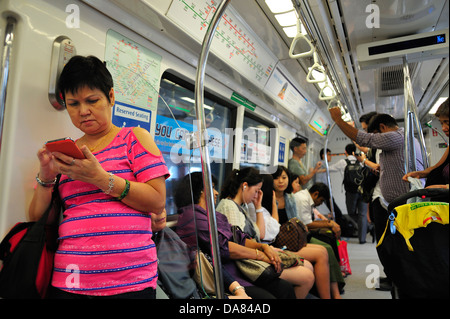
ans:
x=45 y=184
x=236 y=289
x=110 y=185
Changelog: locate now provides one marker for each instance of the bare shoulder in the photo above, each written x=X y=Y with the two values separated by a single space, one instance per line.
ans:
x=146 y=140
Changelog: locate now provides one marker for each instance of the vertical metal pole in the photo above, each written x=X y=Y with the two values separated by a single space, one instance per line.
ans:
x=411 y=117
x=411 y=141
x=406 y=80
x=206 y=169
x=328 y=172
x=7 y=48
x=419 y=129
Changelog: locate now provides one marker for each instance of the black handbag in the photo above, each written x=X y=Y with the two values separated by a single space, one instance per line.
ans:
x=27 y=252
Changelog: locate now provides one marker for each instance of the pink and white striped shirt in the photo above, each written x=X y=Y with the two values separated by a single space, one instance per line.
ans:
x=105 y=247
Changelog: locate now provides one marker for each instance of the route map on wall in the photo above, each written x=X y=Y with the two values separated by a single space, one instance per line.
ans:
x=135 y=70
x=234 y=41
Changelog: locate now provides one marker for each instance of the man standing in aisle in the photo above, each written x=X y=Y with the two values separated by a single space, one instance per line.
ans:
x=321 y=177
x=385 y=135
x=295 y=165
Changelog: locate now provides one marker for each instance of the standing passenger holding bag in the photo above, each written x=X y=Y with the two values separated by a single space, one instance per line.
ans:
x=105 y=246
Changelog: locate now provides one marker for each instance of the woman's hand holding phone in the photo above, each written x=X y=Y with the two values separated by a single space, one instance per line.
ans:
x=87 y=169
x=66 y=146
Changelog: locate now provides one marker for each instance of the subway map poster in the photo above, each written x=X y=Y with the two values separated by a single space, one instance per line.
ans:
x=136 y=72
x=234 y=42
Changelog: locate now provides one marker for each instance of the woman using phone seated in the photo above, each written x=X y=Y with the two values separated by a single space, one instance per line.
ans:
x=105 y=246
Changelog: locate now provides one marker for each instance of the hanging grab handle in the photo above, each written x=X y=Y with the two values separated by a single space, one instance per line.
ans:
x=322 y=96
x=319 y=68
x=300 y=36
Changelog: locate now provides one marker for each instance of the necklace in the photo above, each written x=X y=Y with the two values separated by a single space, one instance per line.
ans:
x=101 y=139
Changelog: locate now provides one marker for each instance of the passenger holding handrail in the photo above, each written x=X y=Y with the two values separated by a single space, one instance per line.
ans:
x=295 y=165
x=383 y=134
x=437 y=175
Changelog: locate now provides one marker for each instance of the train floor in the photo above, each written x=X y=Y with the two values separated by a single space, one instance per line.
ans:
x=366 y=267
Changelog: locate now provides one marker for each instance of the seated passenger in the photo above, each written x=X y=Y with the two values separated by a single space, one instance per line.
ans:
x=327 y=271
x=438 y=174
x=306 y=200
x=267 y=222
x=193 y=220
x=241 y=188
x=176 y=262
x=295 y=183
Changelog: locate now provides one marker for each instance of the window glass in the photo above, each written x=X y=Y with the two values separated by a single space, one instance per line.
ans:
x=175 y=122
x=256 y=148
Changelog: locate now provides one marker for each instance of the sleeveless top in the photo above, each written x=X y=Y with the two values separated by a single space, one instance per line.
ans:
x=439 y=175
x=105 y=247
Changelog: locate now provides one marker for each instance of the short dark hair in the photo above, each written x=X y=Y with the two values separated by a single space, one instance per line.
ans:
x=297 y=141
x=183 y=190
x=365 y=118
x=322 y=151
x=83 y=71
x=443 y=109
x=350 y=148
x=323 y=190
x=375 y=121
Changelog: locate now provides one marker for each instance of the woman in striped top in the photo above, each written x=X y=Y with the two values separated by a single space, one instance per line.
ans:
x=105 y=246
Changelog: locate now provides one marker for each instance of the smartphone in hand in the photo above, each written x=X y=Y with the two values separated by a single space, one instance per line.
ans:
x=66 y=146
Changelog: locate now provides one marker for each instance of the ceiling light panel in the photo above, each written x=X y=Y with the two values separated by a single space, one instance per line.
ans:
x=287 y=19
x=278 y=6
x=290 y=31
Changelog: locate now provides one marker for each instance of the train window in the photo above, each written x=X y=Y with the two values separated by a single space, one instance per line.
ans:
x=256 y=146
x=176 y=119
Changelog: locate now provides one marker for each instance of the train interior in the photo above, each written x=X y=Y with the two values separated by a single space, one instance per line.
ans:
x=273 y=70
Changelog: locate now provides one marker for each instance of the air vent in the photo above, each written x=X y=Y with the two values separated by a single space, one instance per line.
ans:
x=391 y=79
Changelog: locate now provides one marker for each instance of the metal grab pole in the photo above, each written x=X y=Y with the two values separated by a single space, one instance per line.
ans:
x=411 y=120
x=328 y=171
x=206 y=169
x=5 y=62
x=411 y=140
